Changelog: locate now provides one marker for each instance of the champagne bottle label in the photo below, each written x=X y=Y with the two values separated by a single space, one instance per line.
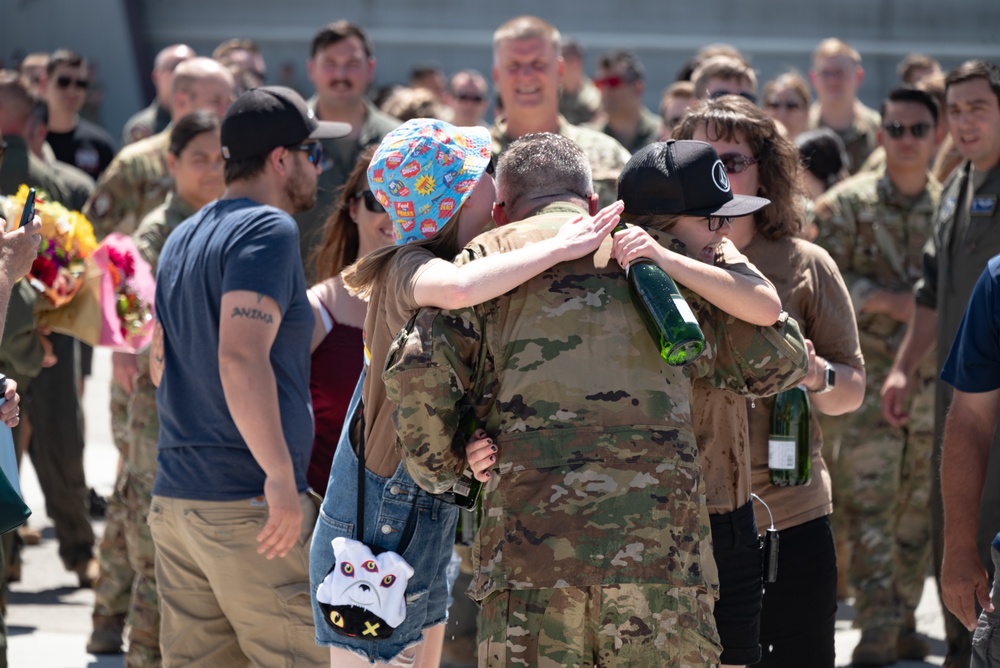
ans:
x=463 y=485
x=684 y=309
x=781 y=453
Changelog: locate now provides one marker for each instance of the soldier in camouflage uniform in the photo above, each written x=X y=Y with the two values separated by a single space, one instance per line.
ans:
x=579 y=99
x=136 y=182
x=875 y=225
x=517 y=45
x=595 y=547
x=155 y=118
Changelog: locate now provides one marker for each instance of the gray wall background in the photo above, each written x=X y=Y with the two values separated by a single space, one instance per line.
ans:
x=121 y=36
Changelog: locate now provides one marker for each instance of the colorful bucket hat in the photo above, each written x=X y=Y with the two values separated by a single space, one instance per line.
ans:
x=424 y=170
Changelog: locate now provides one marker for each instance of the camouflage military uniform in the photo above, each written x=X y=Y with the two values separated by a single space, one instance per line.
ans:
x=339 y=158
x=136 y=182
x=597 y=505
x=649 y=130
x=876 y=236
x=860 y=139
x=139 y=463
x=607 y=157
x=145 y=123
x=581 y=106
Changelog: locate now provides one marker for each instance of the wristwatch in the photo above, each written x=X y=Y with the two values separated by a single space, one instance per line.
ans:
x=829 y=378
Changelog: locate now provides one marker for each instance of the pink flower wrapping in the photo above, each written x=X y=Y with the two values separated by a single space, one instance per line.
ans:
x=127 y=293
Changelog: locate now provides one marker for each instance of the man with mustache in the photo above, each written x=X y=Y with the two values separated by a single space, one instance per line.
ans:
x=341 y=66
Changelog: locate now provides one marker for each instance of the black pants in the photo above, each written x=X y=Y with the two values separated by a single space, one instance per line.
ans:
x=737 y=612
x=800 y=609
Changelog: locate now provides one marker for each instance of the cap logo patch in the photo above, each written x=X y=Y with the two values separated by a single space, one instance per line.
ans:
x=719 y=176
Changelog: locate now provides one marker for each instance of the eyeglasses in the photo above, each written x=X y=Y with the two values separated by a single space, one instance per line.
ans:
x=790 y=105
x=736 y=163
x=833 y=74
x=371 y=204
x=613 y=81
x=65 y=81
x=743 y=94
x=469 y=97
x=313 y=150
x=898 y=130
x=715 y=223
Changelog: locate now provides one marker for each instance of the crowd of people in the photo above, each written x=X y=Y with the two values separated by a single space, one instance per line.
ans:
x=366 y=298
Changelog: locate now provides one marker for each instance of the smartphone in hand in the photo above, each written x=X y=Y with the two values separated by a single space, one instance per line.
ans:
x=29 y=209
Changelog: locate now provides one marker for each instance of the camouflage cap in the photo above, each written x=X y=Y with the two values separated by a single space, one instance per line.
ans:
x=424 y=170
x=683 y=178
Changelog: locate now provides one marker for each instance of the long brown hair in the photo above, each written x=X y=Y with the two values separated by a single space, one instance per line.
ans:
x=362 y=277
x=339 y=247
x=778 y=159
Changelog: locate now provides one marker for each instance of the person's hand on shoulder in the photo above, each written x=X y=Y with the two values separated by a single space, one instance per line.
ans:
x=582 y=235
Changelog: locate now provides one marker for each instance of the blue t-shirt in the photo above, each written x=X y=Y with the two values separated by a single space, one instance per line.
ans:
x=973 y=363
x=229 y=245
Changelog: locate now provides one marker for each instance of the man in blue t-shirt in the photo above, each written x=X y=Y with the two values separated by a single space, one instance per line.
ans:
x=973 y=368
x=230 y=356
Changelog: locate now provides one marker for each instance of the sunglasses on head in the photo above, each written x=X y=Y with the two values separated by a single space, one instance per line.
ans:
x=613 y=81
x=65 y=81
x=737 y=163
x=898 y=130
x=313 y=150
x=790 y=105
x=744 y=94
x=469 y=97
x=371 y=204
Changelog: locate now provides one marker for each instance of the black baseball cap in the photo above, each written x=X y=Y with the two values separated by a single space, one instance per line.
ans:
x=262 y=119
x=683 y=178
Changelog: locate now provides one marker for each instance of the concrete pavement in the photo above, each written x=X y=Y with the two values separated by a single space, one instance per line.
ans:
x=49 y=618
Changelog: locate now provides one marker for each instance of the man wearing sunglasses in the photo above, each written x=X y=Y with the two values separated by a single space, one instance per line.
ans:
x=74 y=140
x=468 y=97
x=836 y=76
x=622 y=81
x=231 y=358
x=964 y=509
x=875 y=225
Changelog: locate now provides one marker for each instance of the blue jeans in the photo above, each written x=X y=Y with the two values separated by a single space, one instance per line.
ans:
x=986 y=640
x=387 y=508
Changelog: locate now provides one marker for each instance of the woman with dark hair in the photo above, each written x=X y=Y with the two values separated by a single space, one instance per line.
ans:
x=799 y=609
x=357 y=226
x=824 y=158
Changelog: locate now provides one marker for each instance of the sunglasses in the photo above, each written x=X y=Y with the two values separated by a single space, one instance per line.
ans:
x=736 y=163
x=790 y=105
x=743 y=94
x=313 y=150
x=612 y=82
x=469 y=97
x=371 y=204
x=490 y=167
x=715 y=223
x=898 y=130
x=65 y=81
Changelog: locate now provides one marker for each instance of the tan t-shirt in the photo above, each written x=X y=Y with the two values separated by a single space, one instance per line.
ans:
x=720 y=423
x=813 y=292
x=389 y=309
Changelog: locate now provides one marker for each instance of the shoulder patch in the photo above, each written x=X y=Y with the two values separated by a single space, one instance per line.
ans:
x=983 y=205
x=948 y=208
x=102 y=204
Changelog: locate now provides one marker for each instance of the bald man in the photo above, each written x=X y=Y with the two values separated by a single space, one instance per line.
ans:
x=155 y=118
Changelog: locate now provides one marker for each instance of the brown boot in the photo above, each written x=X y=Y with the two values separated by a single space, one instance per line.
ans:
x=86 y=572
x=877 y=648
x=912 y=645
x=107 y=635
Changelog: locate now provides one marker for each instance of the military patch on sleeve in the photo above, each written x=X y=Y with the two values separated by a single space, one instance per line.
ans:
x=984 y=205
x=948 y=208
x=102 y=204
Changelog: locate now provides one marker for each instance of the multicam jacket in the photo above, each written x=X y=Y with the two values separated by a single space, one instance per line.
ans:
x=598 y=479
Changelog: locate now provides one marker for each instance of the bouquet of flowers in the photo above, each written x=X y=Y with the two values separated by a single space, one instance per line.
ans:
x=67 y=242
x=127 y=294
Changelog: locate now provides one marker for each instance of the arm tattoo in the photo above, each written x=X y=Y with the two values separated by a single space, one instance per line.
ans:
x=252 y=313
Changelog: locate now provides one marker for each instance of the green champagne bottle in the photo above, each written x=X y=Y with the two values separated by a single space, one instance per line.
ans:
x=667 y=316
x=465 y=492
x=788 y=456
